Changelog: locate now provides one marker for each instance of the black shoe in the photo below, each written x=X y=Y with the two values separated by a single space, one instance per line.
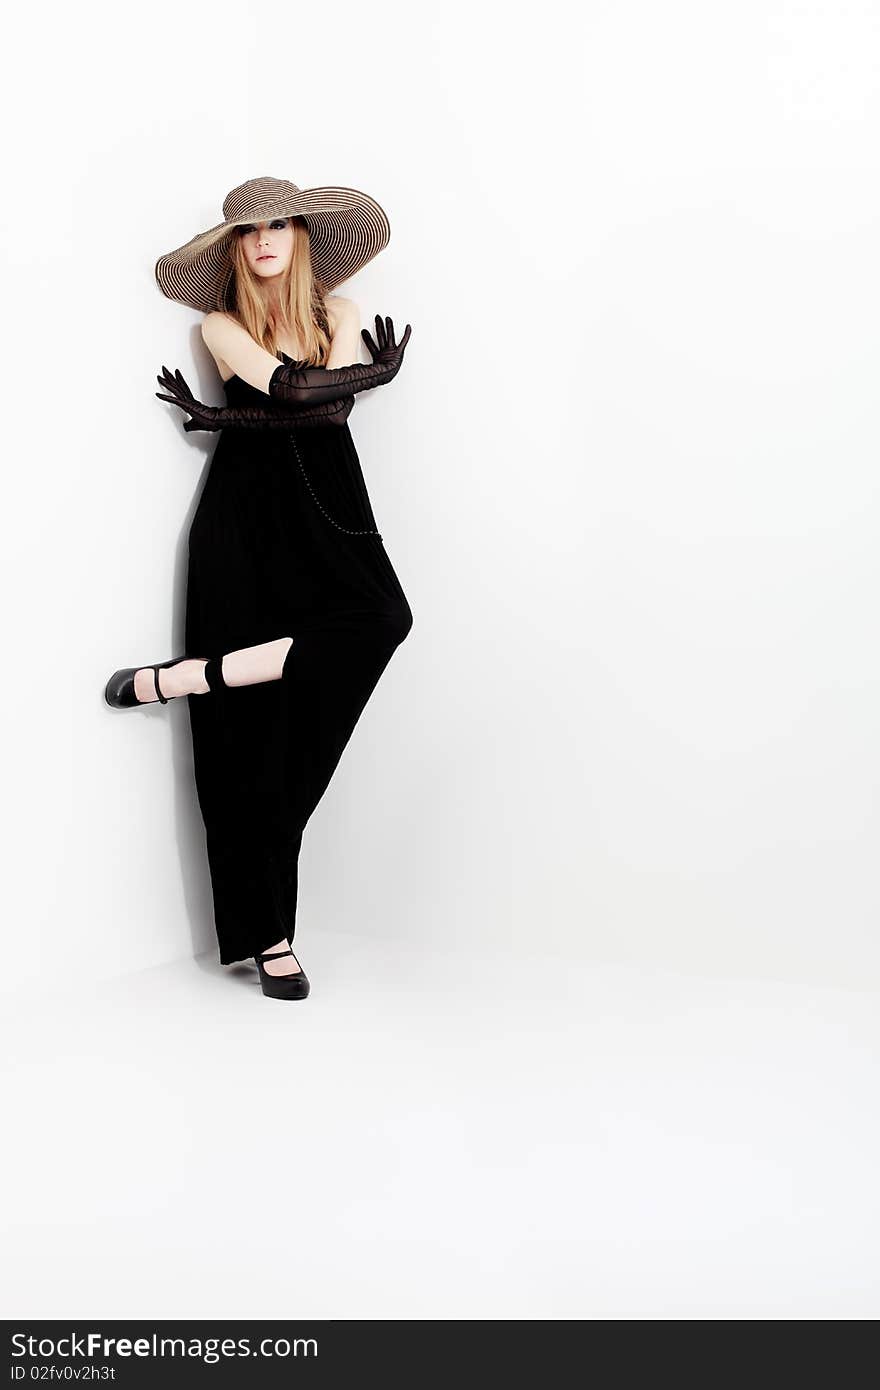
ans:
x=295 y=986
x=119 y=690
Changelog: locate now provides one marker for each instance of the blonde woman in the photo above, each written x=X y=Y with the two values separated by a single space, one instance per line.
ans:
x=293 y=608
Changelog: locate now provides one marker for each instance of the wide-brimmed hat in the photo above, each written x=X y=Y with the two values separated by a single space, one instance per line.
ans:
x=347 y=229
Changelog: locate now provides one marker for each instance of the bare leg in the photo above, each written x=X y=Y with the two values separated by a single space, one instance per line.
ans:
x=247 y=666
x=252 y=665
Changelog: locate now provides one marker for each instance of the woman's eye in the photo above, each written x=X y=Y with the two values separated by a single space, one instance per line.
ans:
x=279 y=223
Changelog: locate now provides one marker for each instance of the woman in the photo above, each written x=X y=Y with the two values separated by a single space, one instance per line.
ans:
x=293 y=608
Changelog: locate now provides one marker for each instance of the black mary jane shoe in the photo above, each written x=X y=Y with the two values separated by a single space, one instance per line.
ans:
x=294 y=986
x=119 y=690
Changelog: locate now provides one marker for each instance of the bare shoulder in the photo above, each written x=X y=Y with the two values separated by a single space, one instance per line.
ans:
x=341 y=309
x=227 y=341
x=219 y=328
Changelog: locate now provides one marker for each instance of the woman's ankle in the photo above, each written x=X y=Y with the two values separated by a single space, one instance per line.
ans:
x=186 y=678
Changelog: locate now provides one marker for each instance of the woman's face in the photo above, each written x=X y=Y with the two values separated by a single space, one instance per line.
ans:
x=268 y=246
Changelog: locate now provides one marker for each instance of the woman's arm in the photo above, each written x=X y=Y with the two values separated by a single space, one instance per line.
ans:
x=215 y=417
x=300 y=385
x=344 y=320
x=297 y=385
x=231 y=344
x=345 y=331
x=300 y=395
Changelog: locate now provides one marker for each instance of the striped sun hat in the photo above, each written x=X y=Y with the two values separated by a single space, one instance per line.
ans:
x=346 y=230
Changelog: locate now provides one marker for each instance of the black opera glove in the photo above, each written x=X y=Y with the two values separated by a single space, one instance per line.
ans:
x=218 y=417
x=296 y=385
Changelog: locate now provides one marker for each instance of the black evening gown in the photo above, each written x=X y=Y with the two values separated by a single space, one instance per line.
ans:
x=280 y=546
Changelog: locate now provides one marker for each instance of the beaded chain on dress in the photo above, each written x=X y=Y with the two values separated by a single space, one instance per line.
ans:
x=295 y=362
x=349 y=531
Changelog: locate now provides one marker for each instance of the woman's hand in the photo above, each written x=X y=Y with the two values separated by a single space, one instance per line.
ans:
x=204 y=417
x=386 y=351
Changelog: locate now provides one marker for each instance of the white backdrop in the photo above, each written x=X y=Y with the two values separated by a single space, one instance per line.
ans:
x=628 y=475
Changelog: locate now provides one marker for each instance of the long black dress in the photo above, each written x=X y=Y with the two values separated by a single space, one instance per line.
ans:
x=274 y=551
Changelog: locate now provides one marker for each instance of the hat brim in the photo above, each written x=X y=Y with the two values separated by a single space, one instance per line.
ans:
x=347 y=228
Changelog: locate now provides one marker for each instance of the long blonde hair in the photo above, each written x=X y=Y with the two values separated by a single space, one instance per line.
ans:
x=302 y=310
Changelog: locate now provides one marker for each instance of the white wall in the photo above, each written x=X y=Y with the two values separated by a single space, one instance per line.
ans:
x=628 y=476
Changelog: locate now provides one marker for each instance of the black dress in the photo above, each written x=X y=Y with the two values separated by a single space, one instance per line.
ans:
x=275 y=551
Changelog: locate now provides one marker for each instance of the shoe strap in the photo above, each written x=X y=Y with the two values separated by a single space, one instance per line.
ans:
x=274 y=955
x=163 y=698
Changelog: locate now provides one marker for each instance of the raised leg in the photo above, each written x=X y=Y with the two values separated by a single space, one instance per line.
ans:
x=246 y=666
